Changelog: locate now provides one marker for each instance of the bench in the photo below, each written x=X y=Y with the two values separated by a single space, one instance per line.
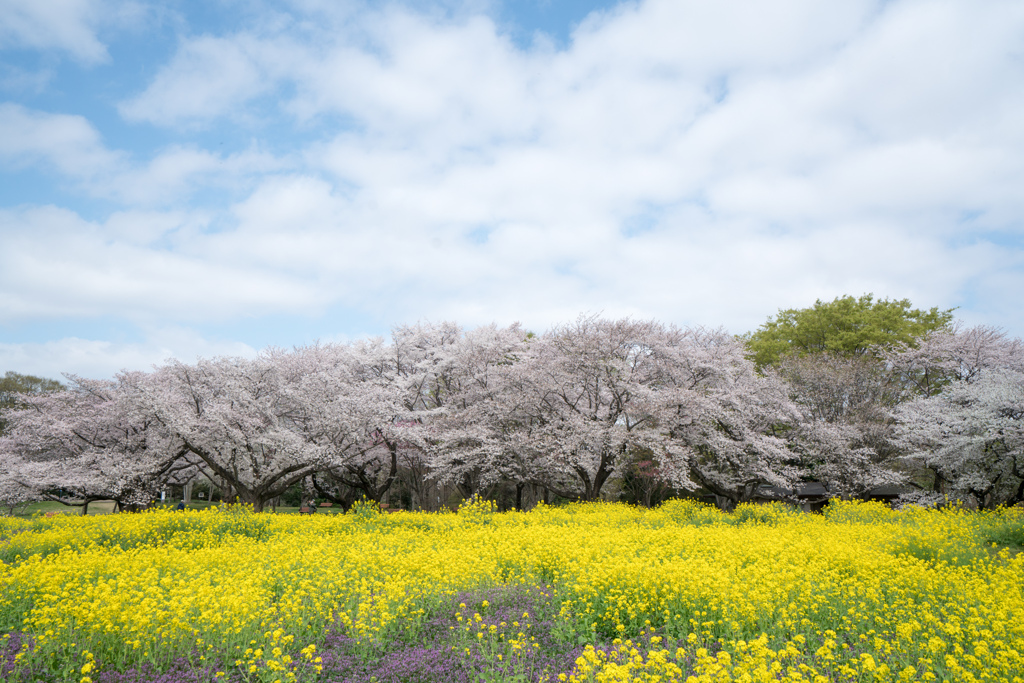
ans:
x=305 y=510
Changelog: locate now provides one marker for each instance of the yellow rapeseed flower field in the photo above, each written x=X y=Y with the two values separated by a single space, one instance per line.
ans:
x=679 y=593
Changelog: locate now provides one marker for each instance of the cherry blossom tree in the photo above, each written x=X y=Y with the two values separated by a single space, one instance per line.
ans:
x=495 y=409
x=837 y=455
x=956 y=429
x=14 y=386
x=238 y=417
x=971 y=435
x=90 y=443
x=571 y=408
x=724 y=422
x=353 y=408
x=577 y=402
x=13 y=493
x=469 y=445
x=845 y=434
x=958 y=354
x=404 y=388
x=372 y=403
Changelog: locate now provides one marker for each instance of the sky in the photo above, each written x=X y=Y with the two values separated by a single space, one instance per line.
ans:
x=184 y=179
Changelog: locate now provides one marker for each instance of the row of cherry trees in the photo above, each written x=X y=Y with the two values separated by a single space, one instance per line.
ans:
x=569 y=410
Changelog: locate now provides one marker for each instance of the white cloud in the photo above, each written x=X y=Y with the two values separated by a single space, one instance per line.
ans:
x=697 y=162
x=208 y=77
x=70 y=145
x=63 y=24
x=175 y=173
x=66 y=25
x=53 y=264
x=66 y=142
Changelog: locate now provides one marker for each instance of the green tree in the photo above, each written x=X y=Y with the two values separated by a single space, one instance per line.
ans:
x=13 y=386
x=846 y=325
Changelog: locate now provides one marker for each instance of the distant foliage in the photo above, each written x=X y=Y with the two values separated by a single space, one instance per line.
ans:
x=846 y=325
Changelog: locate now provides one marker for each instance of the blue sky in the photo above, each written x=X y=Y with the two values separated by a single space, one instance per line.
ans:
x=194 y=179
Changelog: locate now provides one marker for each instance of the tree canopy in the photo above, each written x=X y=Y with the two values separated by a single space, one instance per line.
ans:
x=855 y=401
x=846 y=325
